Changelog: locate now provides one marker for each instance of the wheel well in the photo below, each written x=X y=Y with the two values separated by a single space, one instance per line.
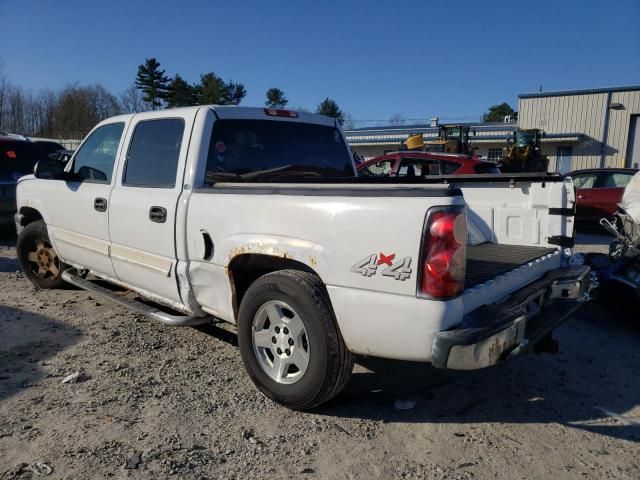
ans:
x=29 y=215
x=247 y=268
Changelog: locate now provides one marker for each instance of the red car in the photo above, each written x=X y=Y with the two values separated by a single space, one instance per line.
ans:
x=598 y=192
x=422 y=164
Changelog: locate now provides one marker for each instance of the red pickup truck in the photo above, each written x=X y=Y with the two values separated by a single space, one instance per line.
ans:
x=422 y=164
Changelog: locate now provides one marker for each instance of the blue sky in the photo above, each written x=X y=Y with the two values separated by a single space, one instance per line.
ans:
x=375 y=58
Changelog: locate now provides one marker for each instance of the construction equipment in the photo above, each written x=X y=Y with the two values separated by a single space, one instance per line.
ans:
x=523 y=152
x=451 y=139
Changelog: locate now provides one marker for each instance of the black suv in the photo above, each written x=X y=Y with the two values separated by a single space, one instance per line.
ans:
x=17 y=158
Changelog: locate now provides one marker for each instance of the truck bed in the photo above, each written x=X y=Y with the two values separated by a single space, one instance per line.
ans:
x=487 y=260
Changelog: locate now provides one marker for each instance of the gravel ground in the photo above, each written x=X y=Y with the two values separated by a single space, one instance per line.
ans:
x=154 y=402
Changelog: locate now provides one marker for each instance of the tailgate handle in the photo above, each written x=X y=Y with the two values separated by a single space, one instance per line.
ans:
x=100 y=204
x=158 y=214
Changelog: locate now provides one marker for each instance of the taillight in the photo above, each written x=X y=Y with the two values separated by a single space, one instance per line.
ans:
x=443 y=257
x=280 y=112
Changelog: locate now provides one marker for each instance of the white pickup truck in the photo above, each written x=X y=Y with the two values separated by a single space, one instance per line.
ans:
x=255 y=217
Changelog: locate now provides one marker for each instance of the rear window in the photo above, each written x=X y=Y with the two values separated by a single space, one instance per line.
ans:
x=616 y=180
x=271 y=151
x=486 y=168
x=19 y=158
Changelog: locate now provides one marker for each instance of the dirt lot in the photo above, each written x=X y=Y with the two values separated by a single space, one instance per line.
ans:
x=155 y=402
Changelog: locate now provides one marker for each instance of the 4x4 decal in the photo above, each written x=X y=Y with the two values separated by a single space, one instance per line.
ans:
x=368 y=266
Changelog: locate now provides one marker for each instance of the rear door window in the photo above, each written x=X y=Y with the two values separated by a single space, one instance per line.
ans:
x=418 y=167
x=154 y=152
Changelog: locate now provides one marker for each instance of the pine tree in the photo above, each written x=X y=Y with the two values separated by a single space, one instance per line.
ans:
x=496 y=113
x=330 y=108
x=152 y=81
x=276 y=98
x=235 y=92
x=180 y=93
x=215 y=91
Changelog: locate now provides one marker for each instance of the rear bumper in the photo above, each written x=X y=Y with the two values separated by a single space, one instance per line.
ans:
x=494 y=333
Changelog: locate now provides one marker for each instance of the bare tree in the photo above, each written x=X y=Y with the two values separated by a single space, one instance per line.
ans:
x=47 y=102
x=104 y=103
x=131 y=100
x=4 y=91
x=396 y=119
x=349 y=122
x=15 y=100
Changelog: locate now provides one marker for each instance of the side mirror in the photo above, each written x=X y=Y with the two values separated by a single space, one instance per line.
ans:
x=48 y=169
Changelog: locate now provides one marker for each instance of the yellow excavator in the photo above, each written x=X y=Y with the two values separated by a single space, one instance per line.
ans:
x=523 y=152
x=451 y=139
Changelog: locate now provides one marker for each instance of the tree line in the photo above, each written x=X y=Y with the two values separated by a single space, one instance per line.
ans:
x=71 y=112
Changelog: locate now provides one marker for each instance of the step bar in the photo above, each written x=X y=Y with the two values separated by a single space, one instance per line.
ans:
x=135 y=305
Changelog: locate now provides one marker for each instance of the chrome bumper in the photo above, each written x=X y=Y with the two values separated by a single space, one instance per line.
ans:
x=515 y=326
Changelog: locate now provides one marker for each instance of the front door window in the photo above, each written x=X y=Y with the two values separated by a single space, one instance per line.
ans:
x=94 y=160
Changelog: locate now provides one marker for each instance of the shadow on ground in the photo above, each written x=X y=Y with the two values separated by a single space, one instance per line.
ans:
x=26 y=341
x=595 y=375
x=7 y=236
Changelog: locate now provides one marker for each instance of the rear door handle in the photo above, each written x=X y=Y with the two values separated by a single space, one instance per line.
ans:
x=100 y=204
x=158 y=214
x=584 y=196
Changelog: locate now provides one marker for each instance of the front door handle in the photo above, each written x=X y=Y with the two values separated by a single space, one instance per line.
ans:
x=581 y=197
x=100 y=204
x=158 y=214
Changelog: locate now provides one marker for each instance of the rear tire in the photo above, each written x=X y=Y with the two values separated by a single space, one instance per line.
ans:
x=38 y=260
x=286 y=316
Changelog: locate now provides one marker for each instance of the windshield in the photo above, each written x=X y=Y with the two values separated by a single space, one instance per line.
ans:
x=18 y=158
x=268 y=150
x=525 y=138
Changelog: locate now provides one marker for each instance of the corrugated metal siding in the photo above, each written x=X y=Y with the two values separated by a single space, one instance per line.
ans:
x=619 y=121
x=584 y=113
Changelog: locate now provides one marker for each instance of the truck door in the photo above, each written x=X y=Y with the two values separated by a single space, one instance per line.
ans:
x=79 y=207
x=142 y=215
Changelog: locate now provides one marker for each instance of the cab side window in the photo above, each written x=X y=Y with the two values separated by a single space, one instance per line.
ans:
x=94 y=161
x=154 y=152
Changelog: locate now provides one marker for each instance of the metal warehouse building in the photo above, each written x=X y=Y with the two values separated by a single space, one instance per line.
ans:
x=584 y=129
x=607 y=120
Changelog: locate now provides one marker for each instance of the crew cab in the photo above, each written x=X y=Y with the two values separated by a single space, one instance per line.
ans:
x=256 y=218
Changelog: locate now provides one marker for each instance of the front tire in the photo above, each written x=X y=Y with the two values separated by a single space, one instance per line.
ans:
x=289 y=340
x=38 y=260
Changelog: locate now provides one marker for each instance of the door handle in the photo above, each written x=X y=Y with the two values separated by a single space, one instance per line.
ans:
x=158 y=214
x=584 y=196
x=100 y=204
